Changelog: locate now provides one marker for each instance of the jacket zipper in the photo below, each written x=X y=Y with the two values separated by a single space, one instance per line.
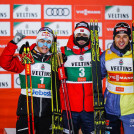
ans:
x=43 y=58
x=41 y=98
x=83 y=96
x=40 y=107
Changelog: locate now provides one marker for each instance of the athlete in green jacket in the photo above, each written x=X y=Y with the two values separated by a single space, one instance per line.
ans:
x=41 y=80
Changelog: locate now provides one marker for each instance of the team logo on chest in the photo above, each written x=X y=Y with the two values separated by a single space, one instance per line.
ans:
x=42 y=67
x=121 y=62
x=81 y=58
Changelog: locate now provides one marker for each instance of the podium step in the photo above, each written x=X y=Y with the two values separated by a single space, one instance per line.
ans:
x=9 y=130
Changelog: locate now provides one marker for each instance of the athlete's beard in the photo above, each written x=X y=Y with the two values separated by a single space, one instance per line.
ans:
x=81 y=38
x=123 y=50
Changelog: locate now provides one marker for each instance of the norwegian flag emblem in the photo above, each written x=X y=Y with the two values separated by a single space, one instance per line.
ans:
x=81 y=30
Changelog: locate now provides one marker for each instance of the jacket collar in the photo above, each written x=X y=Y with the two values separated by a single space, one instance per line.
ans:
x=112 y=48
x=75 y=48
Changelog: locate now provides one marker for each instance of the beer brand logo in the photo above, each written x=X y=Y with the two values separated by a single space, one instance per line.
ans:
x=42 y=67
x=81 y=58
x=121 y=62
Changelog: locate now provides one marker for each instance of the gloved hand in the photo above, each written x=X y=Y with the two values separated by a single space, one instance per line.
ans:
x=18 y=37
x=26 y=45
x=26 y=55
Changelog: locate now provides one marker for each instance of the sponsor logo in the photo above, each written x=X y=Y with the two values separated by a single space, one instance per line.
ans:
x=118 y=12
x=110 y=29
x=82 y=24
x=41 y=73
x=61 y=73
x=5 y=81
x=85 y=64
x=120 y=89
x=88 y=12
x=27 y=11
x=46 y=34
x=121 y=62
x=3 y=84
x=121 y=68
x=44 y=93
x=41 y=86
x=27 y=28
x=80 y=79
x=16 y=81
x=121 y=77
x=4 y=11
x=61 y=28
x=57 y=12
x=4 y=28
x=81 y=58
x=43 y=67
x=121 y=29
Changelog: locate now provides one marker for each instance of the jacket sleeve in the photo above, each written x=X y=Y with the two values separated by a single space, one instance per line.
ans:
x=10 y=62
x=103 y=68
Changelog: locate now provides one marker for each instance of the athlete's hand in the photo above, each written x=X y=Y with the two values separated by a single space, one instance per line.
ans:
x=18 y=37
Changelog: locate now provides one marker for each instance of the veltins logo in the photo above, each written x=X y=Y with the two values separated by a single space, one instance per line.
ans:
x=27 y=28
x=118 y=12
x=4 y=28
x=27 y=11
x=61 y=28
x=5 y=81
x=57 y=12
x=4 y=11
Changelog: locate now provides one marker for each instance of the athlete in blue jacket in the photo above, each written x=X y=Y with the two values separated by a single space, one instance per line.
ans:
x=116 y=63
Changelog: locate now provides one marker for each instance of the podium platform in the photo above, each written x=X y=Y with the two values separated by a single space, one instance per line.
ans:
x=13 y=131
x=9 y=130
